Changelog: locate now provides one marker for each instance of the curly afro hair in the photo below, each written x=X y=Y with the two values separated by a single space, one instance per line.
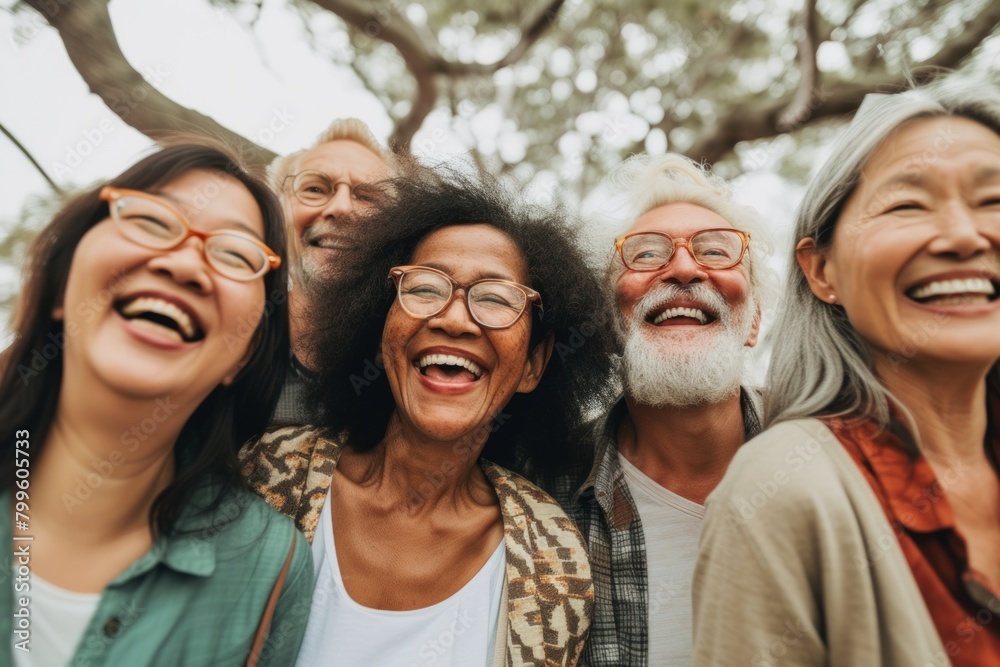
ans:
x=539 y=435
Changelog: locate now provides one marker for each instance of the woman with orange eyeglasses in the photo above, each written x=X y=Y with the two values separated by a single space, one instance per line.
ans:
x=148 y=345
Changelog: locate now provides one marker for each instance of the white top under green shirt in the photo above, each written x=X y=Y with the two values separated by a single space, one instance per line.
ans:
x=671 y=526
x=59 y=617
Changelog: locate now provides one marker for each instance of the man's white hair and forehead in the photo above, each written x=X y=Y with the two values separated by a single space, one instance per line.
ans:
x=645 y=182
x=689 y=368
x=342 y=129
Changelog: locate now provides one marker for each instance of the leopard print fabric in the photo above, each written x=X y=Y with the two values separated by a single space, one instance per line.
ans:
x=549 y=589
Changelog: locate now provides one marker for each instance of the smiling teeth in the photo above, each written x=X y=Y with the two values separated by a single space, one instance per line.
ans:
x=450 y=360
x=329 y=244
x=681 y=312
x=950 y=287
x=146 y=304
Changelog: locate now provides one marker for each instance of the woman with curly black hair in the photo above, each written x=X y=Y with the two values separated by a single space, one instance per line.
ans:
x=468 y=333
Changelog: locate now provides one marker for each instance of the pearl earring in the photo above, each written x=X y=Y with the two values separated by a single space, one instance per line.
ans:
x=833 y=298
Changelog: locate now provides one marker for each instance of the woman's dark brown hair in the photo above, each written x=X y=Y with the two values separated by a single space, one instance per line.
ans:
x=31 y=368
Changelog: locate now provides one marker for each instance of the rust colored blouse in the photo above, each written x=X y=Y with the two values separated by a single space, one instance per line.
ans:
x=964 y=604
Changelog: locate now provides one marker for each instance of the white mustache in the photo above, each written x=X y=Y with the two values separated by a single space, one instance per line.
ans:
x=662 y=294
x=341 y=227
x=696 y=368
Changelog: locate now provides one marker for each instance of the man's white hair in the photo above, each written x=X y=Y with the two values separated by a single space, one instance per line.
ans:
x=644 y=182
x=342 y=129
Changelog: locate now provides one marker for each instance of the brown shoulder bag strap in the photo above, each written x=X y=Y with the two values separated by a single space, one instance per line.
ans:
x=272 y=602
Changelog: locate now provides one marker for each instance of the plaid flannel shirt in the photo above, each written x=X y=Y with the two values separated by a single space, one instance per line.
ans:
x=606 y=514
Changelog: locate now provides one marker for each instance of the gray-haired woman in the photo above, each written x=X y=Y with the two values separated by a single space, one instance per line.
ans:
x=863 y=526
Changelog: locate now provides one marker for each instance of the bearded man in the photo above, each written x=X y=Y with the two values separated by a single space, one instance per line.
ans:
x=687 y=284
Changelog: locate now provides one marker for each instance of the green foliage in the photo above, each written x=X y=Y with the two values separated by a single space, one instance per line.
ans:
x=601 y=79
x=612 y=77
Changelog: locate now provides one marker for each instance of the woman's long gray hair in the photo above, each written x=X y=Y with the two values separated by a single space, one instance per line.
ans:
x=820 y=365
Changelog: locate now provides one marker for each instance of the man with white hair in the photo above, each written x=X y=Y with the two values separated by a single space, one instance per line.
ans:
x=326 y=189
x=686 y=282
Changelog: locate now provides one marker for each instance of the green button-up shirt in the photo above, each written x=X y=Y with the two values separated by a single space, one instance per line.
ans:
x=194 y=599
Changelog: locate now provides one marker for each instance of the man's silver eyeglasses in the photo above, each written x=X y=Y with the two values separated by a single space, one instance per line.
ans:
x=314 y=188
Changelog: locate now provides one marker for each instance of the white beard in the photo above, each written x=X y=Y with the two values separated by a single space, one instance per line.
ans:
x=689 y=368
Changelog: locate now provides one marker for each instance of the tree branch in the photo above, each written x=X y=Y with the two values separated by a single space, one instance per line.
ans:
x=88 y=35
x=531 y=32
x=383 y=24
x=804 y=99
x=424 y=61
x=743 y=123
x=395 y=29
x=31 y=158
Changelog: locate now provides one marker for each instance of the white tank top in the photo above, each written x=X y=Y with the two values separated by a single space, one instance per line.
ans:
x=457 y=632
x=58 y=619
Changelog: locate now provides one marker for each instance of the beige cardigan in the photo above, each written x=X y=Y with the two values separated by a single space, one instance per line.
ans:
x=798 y=564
